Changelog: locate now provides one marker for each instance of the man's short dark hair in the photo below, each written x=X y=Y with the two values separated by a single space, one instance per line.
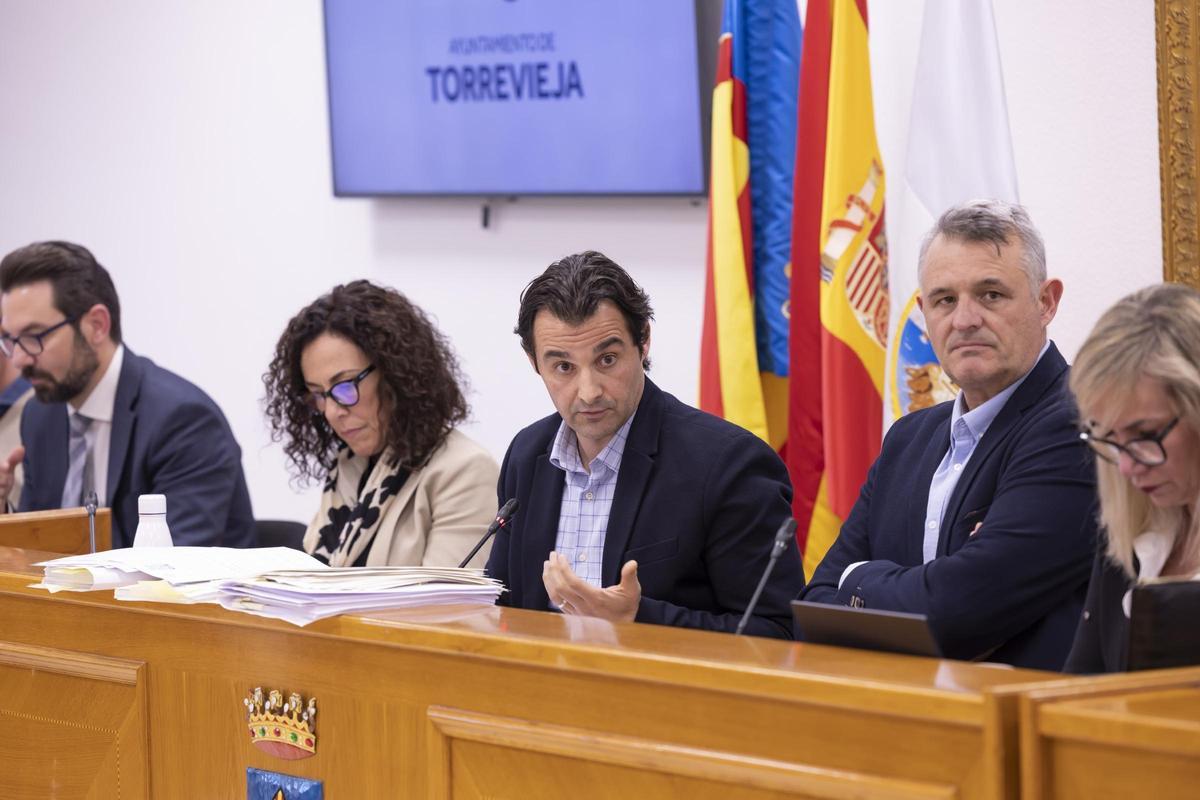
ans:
x=77 y=279
x=572 y=288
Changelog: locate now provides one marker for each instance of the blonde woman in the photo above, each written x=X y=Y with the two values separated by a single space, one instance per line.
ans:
x=1137 y=381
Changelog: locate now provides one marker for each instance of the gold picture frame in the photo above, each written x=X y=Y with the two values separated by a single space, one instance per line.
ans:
x=1178 y=55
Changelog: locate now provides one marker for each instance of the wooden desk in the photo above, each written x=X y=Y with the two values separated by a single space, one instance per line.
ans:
x=1115 y=736
x=100 y=698
x=62 y=531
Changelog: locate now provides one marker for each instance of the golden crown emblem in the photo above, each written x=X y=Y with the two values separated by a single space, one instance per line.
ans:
x=285 y=729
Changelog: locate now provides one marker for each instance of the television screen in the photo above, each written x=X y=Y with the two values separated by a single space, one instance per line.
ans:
x=514 y=97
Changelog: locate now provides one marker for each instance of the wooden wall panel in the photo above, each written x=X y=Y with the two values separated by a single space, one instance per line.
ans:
x=1112 y=736
x=1089 y=771
x=72 y=725
x=485 y=756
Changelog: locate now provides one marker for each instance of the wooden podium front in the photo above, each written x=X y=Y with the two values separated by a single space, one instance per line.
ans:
x=61 y=531
x=105 y=699
x=1114 y=736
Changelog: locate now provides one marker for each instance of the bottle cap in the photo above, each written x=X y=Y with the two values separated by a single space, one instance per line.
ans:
x=152 y=504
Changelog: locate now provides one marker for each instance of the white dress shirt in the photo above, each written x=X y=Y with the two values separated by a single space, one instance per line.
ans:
x=98 y=407
x=1152 y=549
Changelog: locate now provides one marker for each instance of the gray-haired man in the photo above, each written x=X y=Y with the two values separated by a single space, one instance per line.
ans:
x=979 y=512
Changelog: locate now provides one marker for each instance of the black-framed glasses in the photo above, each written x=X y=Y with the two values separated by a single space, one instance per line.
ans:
x=1145 y=450
x=31 y=343
x=344 y=393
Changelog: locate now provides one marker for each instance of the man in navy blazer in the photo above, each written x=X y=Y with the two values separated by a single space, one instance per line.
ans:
x=979 y=512
x=633 y=506
x=106 y=419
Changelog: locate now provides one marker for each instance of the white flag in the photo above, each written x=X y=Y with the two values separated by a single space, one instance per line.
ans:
x=959 y=148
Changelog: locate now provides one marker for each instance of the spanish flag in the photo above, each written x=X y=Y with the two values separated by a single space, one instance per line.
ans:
x=839 y=291
x=744 y=345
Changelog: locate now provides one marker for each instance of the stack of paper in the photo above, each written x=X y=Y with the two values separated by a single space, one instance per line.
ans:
x=273 y=582
x=178 y=566
x=302 y=596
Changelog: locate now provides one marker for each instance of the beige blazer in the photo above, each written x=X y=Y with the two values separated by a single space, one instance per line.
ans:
x=444 y=508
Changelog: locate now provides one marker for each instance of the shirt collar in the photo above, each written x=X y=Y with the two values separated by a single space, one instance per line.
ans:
x=1152 y=549
x=99 y=405
x=980 y=418
x=565 y=452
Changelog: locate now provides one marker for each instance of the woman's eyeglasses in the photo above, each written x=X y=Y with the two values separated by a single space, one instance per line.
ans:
x=344 y=393
x=1145 y=450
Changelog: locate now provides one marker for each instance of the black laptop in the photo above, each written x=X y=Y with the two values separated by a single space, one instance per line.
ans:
x=864 y=628
x=1164 y=626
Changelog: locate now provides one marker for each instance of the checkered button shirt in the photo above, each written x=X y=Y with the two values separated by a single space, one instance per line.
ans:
x=586 y=501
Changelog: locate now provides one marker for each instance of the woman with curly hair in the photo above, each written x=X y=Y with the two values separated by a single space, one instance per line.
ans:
x=364 y=393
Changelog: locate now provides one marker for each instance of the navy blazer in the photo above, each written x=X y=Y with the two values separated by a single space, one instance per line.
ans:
x=1102 y=639
x=697 y=503
x=1013 y=591
x=168 y=437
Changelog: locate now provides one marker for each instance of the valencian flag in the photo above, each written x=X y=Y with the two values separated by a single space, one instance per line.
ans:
x=744 y=347
x=839 y=290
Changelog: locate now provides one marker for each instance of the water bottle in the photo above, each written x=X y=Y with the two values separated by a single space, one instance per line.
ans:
x=152 y=528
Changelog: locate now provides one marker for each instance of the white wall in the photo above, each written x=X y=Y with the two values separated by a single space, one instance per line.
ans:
x=186 y=144
x=1080 y=83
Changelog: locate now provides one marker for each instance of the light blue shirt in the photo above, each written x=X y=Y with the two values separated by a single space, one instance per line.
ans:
x=966 y=430
x=587 y=500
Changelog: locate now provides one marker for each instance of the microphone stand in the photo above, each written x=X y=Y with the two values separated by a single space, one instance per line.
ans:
x=502 y=517
x=90 y=503
x=786 y=531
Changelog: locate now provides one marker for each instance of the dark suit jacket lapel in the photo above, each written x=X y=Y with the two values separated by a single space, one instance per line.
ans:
x=637 y=461
x=539 y=530
x=1044 y=373
x=124 y=414
x=58 y=434
x=918 y=498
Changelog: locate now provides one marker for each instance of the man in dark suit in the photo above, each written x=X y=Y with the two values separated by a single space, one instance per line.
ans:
x=106 y=419
x=633 y=506
x=979 y=512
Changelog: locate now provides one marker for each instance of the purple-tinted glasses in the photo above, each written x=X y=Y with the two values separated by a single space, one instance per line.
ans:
x=344 y=393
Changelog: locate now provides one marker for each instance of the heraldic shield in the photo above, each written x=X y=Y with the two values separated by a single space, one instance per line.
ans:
x=264 y=785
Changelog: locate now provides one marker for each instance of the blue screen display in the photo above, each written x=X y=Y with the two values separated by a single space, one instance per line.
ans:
x=514 y=97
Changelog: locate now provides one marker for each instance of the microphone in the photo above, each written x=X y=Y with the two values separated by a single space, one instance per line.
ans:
x=91 y=503
x=782 y=536
x=502 y=518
